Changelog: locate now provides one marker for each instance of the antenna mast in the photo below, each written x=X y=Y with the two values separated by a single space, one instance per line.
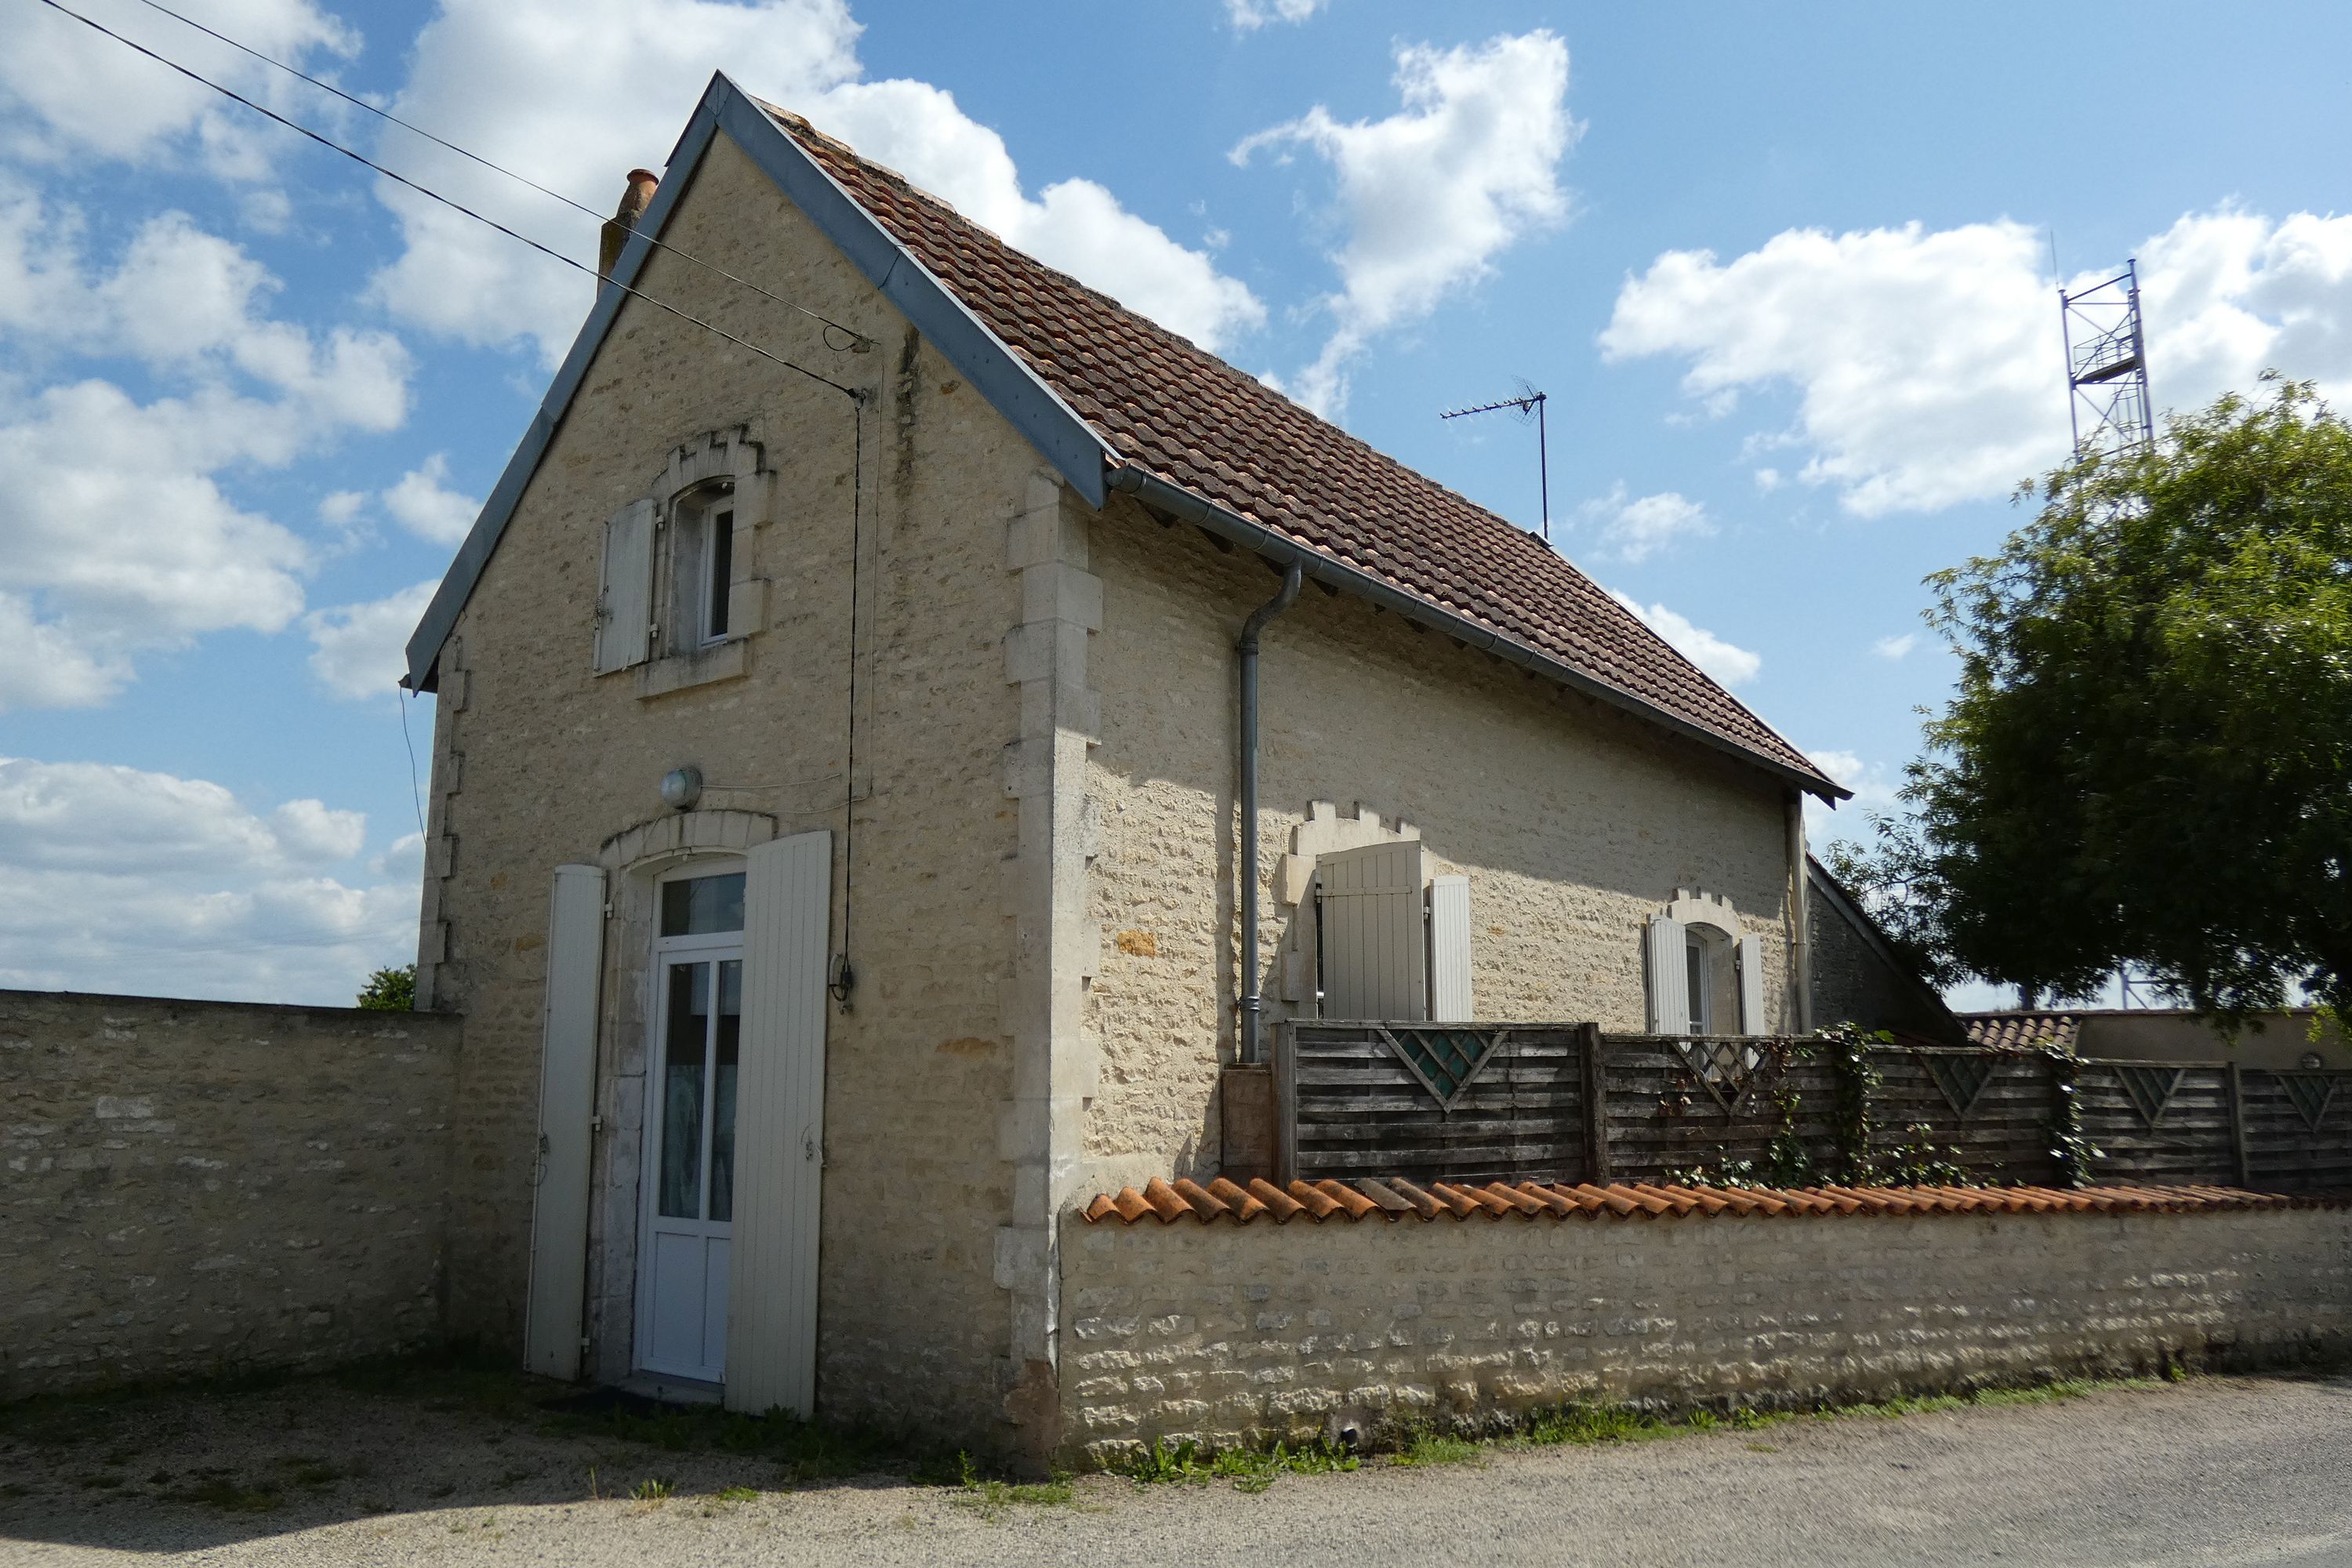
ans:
x=1527 y=402
x=2106 y=366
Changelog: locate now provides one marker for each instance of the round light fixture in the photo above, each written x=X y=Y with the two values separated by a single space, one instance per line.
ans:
x=681 y=787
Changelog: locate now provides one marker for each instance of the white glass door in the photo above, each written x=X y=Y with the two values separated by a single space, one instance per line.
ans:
x=689 y=1175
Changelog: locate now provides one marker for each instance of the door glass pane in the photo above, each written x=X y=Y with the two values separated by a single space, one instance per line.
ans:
x=722 y=1090
x=685 y=1040
x=1696 y=956
x=697 y=906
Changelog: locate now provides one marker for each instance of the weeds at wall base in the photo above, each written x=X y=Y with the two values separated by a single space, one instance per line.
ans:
x=1422 y=1445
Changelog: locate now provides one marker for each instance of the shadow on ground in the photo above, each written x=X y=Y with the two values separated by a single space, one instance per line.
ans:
x=205 y=1466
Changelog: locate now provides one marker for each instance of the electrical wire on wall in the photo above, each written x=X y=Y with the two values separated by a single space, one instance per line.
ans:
x=845 y=977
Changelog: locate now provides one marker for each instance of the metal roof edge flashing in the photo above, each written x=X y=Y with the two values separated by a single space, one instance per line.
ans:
x=440 y=617
x=994 y=371
x=1143 y=484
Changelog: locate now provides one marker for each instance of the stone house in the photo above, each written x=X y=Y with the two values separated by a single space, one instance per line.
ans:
x=837 y=842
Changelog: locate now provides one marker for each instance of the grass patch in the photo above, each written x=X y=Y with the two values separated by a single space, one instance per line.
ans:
x=1250 y=1469
x=653 y=1489
x=992 y=1496
x=1425 y=1449
x=736 y=1494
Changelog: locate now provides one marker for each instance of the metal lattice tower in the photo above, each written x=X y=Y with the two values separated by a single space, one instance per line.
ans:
x=2106 y=366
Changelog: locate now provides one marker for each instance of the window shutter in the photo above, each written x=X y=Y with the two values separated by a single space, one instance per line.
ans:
x=1752 y=985
x=780 y=1126
x=1375 y=947
x=1666 y=943
x=624 y=598
x=1449 y=950
x=567 y=1100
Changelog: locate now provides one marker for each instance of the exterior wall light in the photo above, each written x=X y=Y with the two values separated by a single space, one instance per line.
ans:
x=681 y=787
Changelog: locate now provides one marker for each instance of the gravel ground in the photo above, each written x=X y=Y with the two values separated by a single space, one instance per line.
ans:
x=2210 y=1472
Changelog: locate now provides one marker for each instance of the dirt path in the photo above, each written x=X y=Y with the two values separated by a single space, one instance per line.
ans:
x=2215 y=1471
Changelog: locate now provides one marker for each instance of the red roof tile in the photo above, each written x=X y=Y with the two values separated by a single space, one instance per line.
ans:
x=1162 y=405
x=1393 y=1199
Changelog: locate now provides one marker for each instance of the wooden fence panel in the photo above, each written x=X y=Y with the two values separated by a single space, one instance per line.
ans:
x=1994 y=1107
x=2157 y=1123
x=2298 y=1131
x=1361 y=1111
x=1351 y=1105
x=1664 y=1120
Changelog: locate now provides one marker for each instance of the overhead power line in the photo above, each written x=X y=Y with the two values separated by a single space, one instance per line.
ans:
x=425 y=191
x=858 y=340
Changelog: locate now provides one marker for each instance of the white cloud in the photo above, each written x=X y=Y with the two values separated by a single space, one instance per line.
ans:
x=115 y=879
x=1896 y=647
x=1727 y=663
x=1874 y=786
x=1926 y=363
x=1248 y=16
x=120 y=536
x=574 y=92
x=360 y=650
x=65 y=92
x=422 y=503
x=1430 y=196
x=1636 y=529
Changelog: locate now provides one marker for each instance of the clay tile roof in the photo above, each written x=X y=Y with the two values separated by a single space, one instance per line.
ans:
x=2017 y=1031
x=1161 y=405
x=1393 y=1197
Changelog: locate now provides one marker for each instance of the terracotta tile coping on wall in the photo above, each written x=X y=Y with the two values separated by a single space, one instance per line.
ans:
x=1395 y=1198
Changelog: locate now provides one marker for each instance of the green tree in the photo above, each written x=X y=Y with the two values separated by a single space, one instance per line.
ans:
x=2149 y=757
x=390 y=990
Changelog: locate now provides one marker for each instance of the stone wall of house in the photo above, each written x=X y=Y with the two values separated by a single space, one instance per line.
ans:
x=538 y=761
x=189 y=1188
x=1234 y=1334
x=1854 y=984
x=1574 y=822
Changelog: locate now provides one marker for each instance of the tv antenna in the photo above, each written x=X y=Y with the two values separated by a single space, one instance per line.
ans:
x=2106 y=366
x=1529 y=401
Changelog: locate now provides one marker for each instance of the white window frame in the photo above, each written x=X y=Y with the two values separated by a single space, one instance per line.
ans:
x=1698 y=963
x=708 y=947
x=698 y=594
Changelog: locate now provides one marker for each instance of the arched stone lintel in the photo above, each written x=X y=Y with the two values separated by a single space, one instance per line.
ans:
x=680 y=835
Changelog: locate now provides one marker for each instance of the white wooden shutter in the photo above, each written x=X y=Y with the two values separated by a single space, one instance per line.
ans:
x=1752 y=985
x=1449 y=950
x=567 y=1102
x=780 y=1127
x=624 y=597
x=1667 y=943
x=1375 y=954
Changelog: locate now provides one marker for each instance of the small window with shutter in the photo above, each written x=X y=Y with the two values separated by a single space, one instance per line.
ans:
x=679 y=590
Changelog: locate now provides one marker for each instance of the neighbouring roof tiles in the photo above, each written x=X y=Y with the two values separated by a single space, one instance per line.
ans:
x=2016 y=1031
x=1393 y=1198
x=1159 y=402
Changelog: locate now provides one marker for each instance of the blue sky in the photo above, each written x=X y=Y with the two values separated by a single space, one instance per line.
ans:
x=1784 y=272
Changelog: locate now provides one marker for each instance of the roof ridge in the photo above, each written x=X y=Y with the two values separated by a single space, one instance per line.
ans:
x=1329 y=489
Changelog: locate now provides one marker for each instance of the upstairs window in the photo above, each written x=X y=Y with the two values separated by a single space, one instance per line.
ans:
x=676 y=591
x=702 y=565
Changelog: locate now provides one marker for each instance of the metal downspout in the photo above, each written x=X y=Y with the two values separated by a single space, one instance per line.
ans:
x=1253 y=1000
x=1801 y=936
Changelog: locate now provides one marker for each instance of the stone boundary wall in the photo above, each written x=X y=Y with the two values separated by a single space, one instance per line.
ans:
x=189 y=1188
x=1241 y=1334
